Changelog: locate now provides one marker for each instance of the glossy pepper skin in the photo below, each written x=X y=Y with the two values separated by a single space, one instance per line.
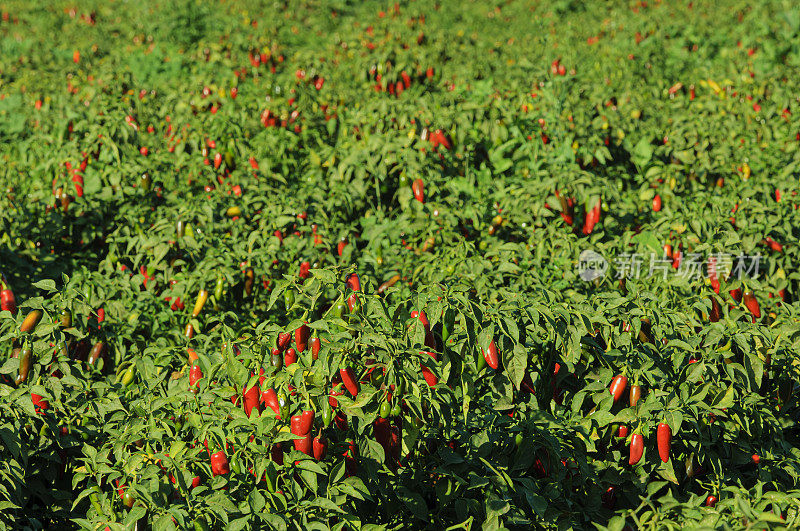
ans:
x=30 y=321
x=270 y=399
x=195 y=373
x=751 y=303
x=218 y=291
x=327 y=416
x=306 y=421
x=418 y=187
x=617 y=388
x=99 y=351
x=350 y=381
x=353 y=282
x=664 y=441
x=301 y=336
x=7 y=300
x=251 y=400
x=491 y=356
x=25 y=358
x=636 y=449
x=219 y=464
x=635 y=395
x=202 y=297
x=301 y=425
x=283 y=340
x=353 y=302
x=128 y=375
x=315 y=346
x=320 y=447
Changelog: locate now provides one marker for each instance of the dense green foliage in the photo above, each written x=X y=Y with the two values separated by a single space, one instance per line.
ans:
x=458 y=158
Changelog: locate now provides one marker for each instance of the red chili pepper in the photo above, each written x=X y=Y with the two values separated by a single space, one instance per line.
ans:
x=751 y=303
x=270 y=398
x=39 y=403
x=304 y=270
x=295 y=425
x=430 y=378
x=352 y=302
x=219 y=464
x=491 y=356
x=711 y=501
x=353 y=282
x=7 y=300
x=618 y=386
x=306 y=422
x=664 y=440
x=657 y=203
x=609 y=498
x=301 y=336
x=636 y=449
x=290 y=357
x=194 y=375
x=320 y=447
x=315 y=346
x=775 y=246
x=423 y=319
x=635 y=395
x=350 y=381
x=251 y=400
x=418 y=187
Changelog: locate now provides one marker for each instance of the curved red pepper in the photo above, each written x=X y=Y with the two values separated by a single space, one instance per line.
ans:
x=353 y=282
x=636 y=449
x=7 y=301
x=618 y=386
x=491 y=356
x=194 y=375
x=306 y=421
x=301 y=336
x=664 y=440
x=320 y=447
x=350 y=381
x=751 y=303
x=270 y=398
x=418 y=187
x=251 y=400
